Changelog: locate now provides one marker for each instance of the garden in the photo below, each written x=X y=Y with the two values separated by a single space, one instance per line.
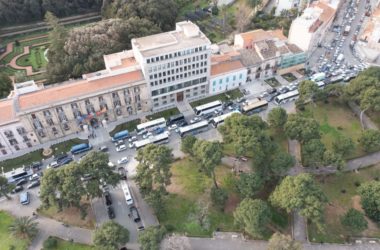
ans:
x=54 y=243
x=289 y=77
x=272 y=82
x=7 y=240
x=166 y=114
x=130 y=126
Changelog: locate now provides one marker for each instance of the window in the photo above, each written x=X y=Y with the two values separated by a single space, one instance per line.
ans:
x=227 y=79
x=240 y=76
x=234 y=78
x=220 y=81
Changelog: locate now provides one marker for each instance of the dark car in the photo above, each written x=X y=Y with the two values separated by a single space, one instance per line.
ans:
x=36 y=165
x=122 y=173
x=208 y=116
x=60 y=157
x=17 y=189
x=103 y=148
x=107 y=197
x=21 y=182
x=134 y=214
x=33 y=184
x=65 y=160
x=182 y=124
x=110 y=212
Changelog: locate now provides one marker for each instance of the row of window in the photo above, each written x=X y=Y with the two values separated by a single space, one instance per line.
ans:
x=164 y=99
x=175 y=54
x=179 y=69
x=179 y=86
x=234 y=77
x=176 y=64
x=178 y=77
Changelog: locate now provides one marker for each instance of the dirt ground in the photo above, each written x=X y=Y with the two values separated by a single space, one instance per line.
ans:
x=372 y=226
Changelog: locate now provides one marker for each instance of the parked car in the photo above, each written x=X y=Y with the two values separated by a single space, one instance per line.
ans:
x=208 y=116
x=134 y=214
x=33 y=184
x=159 y=131
x=24 y=198
x=173 y=126
x=21 y=182
x=131 y=145
x=195 y=119
x=147 y=135
x=110 y=212
x=53 y=164
x=122 y=173
x=36 y=165
x=123 y=160
x=103 y=148
x=65 y=160
x=118 y=143
x=107 y=198
x=17 y=189
x=34 y=177
x=121 y=148
x=86 y=177
x=132 y=139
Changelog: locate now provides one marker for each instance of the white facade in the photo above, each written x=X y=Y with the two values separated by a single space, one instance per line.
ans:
x=286 y=5
x=227 y=81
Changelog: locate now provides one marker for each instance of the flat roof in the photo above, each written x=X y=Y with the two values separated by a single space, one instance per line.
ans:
x=6 y=111
x=224 y=67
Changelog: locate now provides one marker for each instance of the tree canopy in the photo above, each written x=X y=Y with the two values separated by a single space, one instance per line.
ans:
x=5 y=187
x=370 y=140
x=249 y=184
x=354 y=221
x=277 y=118
x=301 y=128
x=110 y=235
x=24 y=227
x=283 y=242
x=150 y=238
x=370 y=199
x=5 y=85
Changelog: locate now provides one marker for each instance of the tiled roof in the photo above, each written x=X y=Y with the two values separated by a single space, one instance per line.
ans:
x=227 y=66
x=328 y=12
x=76 y=89
x=6 y=111
x=260 y=35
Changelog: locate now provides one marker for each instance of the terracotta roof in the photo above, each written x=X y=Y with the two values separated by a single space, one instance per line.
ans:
x=224 y=67
x=126 y=62
x=6 y=111
x=328 y=12
x=76 y=89
x=259 y=35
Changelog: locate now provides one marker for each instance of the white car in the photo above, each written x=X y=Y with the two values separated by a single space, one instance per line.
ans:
x=34 y=177
x=118 y=143
x=131 y=145
x=121 y=148
x=110 y=164
x=147 y=135
x=53 y=164
x=195 y=119
x=123 y=160
x=132 y=139
x=173 y=127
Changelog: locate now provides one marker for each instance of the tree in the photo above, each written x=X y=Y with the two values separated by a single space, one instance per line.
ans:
x=370 y=99
x=301 y=128
x=219 y=197
x=333 y=159
x=370 y=140
x=187 y=144
x=153 y=171
x=156 y=200
x=50 y=243
x=303 y=194
x=279 y=164
x=283 y=242
x=253 y=216
x=209 y=155
x=343 y=145
x=370 y=199
x=249 y=184
x=313 y=152
x=277 y=118
x=24 y=227
x=150 y=238
x=110 y=235
x=5 y=85
x=307 y=90
x=5 y=187
x=354 y=221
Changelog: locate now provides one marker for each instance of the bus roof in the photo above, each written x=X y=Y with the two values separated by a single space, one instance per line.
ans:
x=150 y=140
x=14 y=172
x=254 y=105
x=193 y=126
x=151 y=123
x=180 y=115
x=287 y=95
x=79 y=146
x=207 y=105
x=225 y=116
x=121 y=133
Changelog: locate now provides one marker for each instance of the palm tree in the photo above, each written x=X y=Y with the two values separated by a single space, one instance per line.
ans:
x=5 y=187
x=24 y=227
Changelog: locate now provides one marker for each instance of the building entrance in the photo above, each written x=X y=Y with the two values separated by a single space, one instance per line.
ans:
x=180 y=97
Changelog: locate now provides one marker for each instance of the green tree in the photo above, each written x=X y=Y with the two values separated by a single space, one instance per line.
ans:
x=5 y=187
x=307 y=90
x=343 y=145
x=153 y=171
x=156 y=200
x=354 y=221
x=24 y=227
x=303 y=194
x=370 y=199
x=313 y=152
x=5 y=85
x=249 y=184
x=279 y=164
x=333 y=159
x=219 y=197
x=283 y=242
x=187 y=144
x=370 y=140
x=50 y=243
x=150 y=238
x=253 y=216
x=301 y=128
x=110 y=235
x=209 y=155
x=277 y=118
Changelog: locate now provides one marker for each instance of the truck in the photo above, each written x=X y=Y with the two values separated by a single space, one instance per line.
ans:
x=346 y=30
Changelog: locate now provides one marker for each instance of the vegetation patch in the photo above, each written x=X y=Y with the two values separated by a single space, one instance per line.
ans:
x=7 y=240
x=56 y=243
x=130 y=126
x=35 y=58
x=272 y=82
x=227 y=96
x=166 y=114
x=289 y=77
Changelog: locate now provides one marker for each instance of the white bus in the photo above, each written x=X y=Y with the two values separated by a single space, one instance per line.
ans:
x=127 y=193
x=220 y=119
x=193 y=129
x=18 y=174
x=151 y=125
x=208 y=108
x=290 y=96
x=157 y=139
x=255 y=107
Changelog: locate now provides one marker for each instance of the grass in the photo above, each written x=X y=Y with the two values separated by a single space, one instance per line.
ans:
x=166 y=114
x=375 y=117
x=130 y=126
x=289 y=77
x=27 y=159
x=67 y=245
x=229 y=95
x=7 y=240
x=341 y=191
x=336 y=119
x=35 y=58
x=272 y=82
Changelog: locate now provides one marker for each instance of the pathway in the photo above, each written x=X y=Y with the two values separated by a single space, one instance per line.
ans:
x=29 y=69
x=7 y=51
x=367 y=122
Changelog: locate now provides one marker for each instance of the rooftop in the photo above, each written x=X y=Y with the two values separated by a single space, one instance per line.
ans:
x=186 y=35
x=76 y=89
x=226 y=66
x=261 y=35
x=6 y=111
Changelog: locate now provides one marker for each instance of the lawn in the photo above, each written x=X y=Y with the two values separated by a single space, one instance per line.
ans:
x=272 y=82
x=166 y=114
x=289 y=77
x=336 y=119
x=8 y=241
x=229 y=95
x=27 y=159
x=341 y=193
x=130 y=126
x=35 y=58
x=67 y=245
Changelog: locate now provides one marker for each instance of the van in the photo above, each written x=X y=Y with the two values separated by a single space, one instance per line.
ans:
x=135 y=214
x=24 y=198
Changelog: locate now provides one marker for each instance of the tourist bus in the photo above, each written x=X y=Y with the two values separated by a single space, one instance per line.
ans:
x=151 y=125
x=254 y=107
x=208 y=108
x=157 y=139
x=193 y=129
x=220 y=119
x=80 y=148
x=127 y=193
x=175 y=119
x=290 y=96
x=120 y=135
x=18 y=174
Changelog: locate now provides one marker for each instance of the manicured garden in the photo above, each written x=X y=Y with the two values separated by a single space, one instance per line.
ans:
x=272 y=82
x=289 y=77
x=36 y=58
x=341 y=191
x=166 y=114
x=61 y=244
x=7 y=240
x=227 y=96
x=130 y=126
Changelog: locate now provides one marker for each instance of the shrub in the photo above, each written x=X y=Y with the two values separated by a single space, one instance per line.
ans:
x=50 y=243
x=354 y=220
x=219 y=197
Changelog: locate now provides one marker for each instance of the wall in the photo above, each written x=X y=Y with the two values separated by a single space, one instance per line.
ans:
x=228 y=81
